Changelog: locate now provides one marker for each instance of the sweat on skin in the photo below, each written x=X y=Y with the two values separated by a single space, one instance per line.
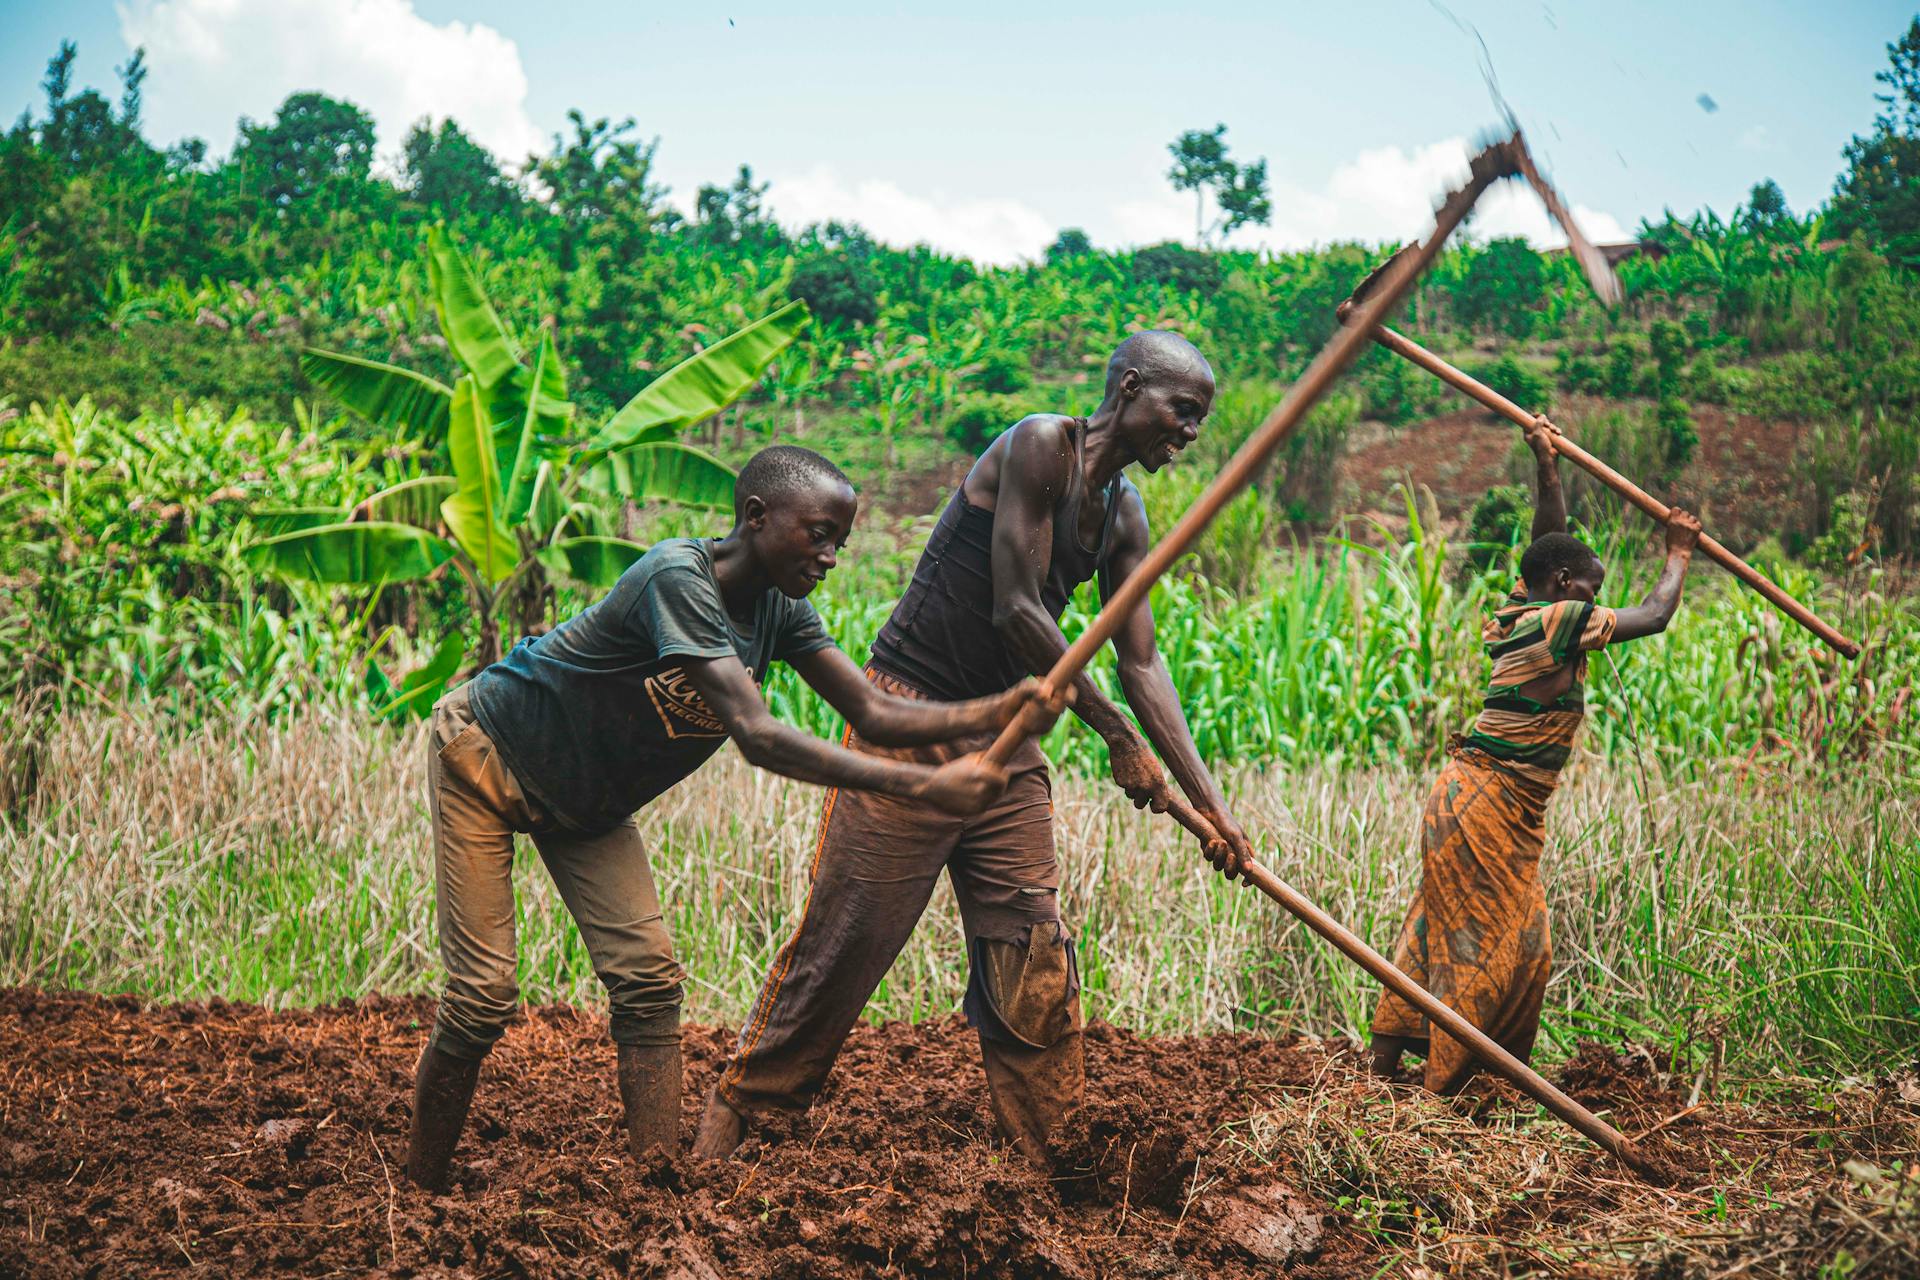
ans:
x=573 y=731
x=1043 y=510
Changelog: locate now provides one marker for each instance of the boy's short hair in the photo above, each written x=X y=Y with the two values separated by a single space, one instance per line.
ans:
x=779 y=471
x=1550 y=554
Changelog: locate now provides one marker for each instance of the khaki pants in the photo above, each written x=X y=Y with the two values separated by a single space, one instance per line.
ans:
x=604 y=879
x=874 y=870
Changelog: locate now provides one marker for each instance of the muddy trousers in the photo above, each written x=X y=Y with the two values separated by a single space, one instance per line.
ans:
x=604 y=879
x=874 y=869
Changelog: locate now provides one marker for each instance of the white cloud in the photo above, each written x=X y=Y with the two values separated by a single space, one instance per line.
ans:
x=1382 y=194
x=1754 y=138
x=993 y=229
x=214 y=60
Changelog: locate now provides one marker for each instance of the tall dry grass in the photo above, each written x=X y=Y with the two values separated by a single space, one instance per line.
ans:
x=1744 y=916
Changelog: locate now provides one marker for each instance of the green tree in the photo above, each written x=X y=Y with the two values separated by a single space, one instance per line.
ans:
x=1071 y=243
x=735 y=217
x=444 y=169
x=834 y=275
x=607 y=208
x=314 y=143
x=1879 y=193
x=1201 y=165
x=1503 y=287
x=1766 y=210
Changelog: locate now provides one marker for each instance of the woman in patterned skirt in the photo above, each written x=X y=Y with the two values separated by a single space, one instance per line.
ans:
x=1477 y=935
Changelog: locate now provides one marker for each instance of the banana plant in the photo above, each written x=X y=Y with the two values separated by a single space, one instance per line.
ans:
x=533 y=494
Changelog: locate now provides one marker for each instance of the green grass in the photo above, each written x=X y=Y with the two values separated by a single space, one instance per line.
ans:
x=1766 y=918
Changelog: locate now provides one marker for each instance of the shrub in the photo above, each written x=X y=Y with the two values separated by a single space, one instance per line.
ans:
x=1850 y=533
x=1003 y=372
x=1705 y=382
x=838 y=287
x=1177 y=265
x=1518 y=382
x=1500 y=519
x=1622 y=360
x=1676 y=430
x=979 y=418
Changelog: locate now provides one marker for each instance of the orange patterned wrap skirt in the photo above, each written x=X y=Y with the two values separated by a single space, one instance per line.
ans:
x=1476 y=935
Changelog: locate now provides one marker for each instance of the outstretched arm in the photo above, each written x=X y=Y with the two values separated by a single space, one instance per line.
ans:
x=1150 y=692
x=1033 y=475
x=1651 y=616
x=963 y=787
x=887 y=721
x=1549 y=501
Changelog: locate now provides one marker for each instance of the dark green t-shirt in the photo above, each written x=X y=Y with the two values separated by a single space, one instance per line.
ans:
x=595 y=718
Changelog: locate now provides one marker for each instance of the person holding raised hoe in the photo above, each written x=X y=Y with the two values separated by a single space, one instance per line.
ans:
x=1476 y=935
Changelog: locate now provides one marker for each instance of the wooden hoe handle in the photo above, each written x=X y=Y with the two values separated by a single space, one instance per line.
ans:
x=1733 y=564
x=1536 y=1086
x=1501 y=160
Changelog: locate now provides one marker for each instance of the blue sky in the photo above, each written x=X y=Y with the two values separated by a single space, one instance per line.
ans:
x=986 y=127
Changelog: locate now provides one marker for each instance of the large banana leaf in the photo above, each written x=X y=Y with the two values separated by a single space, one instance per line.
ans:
x=472 y=512
x=270 y=522
x=361 y=553
x=472 y=327
x=545 y=508
x=702 y=385
x=595 y=561
x=416 y=501
x=420 y=688
x=544 y=416
x=668 y=471
x=384 y=394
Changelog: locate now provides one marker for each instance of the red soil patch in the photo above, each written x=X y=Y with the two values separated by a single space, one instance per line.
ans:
x=225 y=1139
x=1741 y=480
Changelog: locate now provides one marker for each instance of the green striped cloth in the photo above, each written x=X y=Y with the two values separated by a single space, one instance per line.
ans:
x=1529 y=640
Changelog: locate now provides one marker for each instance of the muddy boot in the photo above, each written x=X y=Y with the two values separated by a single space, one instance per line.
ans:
x=442 y=1088
x=721 y=1130
x=650 y=1088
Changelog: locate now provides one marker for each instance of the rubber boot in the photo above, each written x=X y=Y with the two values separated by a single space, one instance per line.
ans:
x=442 y=1089
x=721 y=1129
x=650 y=1088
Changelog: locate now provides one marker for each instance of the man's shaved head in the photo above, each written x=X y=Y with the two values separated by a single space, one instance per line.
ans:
x=1158 y=354
x=780 y=471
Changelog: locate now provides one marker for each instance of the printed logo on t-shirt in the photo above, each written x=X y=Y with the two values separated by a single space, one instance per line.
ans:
x=683 y=712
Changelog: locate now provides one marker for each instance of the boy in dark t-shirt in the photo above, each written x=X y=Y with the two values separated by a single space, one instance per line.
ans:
x=570 y=733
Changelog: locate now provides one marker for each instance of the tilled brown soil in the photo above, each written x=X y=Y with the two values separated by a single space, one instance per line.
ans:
x=223 y=1139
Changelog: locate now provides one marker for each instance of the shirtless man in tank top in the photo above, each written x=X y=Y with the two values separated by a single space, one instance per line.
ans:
x=1043 y=510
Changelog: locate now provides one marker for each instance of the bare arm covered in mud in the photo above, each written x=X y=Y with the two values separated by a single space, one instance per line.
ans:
x=964 y=786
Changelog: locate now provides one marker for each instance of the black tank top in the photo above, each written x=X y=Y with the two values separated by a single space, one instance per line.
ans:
x=940 y=638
